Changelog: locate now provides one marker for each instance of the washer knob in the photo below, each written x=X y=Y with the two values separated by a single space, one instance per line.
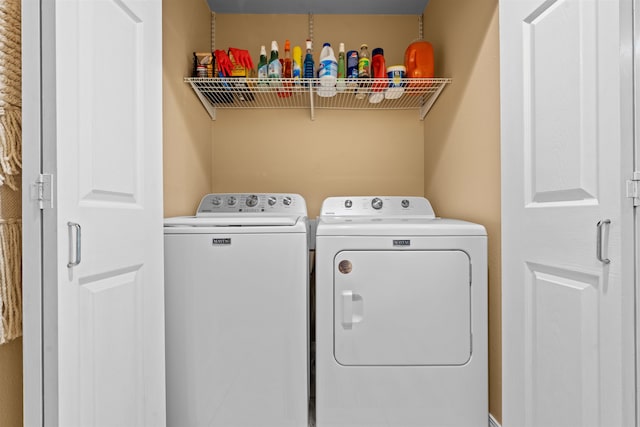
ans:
x=216 y=201
x=376 y=203
x=252 y=200
x=272 y=200
x=348 y=203
x=405 y=203
x=287 y=200
x=231 y=201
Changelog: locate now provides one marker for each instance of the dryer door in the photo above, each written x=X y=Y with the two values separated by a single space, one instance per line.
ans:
x=402 y=308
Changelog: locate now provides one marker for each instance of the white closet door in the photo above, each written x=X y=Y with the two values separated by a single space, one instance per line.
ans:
x=105 y=351
x=568 y=343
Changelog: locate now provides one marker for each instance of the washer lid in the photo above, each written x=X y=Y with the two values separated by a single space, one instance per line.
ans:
x=232 y=221
x=244 y=210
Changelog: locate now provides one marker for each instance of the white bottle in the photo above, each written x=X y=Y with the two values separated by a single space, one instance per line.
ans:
x=328 y=68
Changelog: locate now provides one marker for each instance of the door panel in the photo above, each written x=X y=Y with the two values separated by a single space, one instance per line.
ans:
x=110 y=120
x=402 y=308
x=561 y=337
x=559 y=102
x=111 y=337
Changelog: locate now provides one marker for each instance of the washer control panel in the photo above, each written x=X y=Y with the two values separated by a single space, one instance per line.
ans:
x=385 y=206
x=258 y=203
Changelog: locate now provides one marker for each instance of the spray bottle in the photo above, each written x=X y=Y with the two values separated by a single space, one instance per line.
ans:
x=297 y=65
x=309 y=65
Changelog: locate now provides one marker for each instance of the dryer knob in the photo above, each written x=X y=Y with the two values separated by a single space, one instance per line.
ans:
x=376 y=203
x=231 y=201
x=216 y=201
x=272 y=200
x=252 y=200
x=405 y=203
x=286 y=200
x=348 y=203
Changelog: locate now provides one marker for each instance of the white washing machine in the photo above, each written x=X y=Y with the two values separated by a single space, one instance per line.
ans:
x=237 y=279
x=401 y=316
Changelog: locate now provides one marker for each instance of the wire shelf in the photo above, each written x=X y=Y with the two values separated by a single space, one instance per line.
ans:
x=348 y=94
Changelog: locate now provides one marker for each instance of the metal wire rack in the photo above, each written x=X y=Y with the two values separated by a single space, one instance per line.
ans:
x=348 y=94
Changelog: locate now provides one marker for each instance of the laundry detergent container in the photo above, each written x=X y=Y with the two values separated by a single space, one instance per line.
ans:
x=418 y=59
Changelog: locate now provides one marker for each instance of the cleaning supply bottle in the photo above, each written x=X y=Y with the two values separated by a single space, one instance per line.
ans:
x=364 y=71
x=287 y=69
x=297 y=65
x=263 y=72
x=309 y=65
x=418 y=60
x=275 y=67
x=341 y=69
x=352 y=69
x=379 y=71
x=328 y=67
x=364 y=64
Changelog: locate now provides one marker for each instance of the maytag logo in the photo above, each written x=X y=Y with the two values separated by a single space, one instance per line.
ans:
x=402 y=243
x=225 y=241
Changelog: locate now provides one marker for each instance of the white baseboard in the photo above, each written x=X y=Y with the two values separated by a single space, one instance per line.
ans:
x=493 y=422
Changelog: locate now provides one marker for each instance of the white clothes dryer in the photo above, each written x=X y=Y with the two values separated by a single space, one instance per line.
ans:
x=401 y=316
x=237 y=279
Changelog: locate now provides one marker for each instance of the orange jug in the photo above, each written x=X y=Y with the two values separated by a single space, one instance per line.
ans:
x=418 y=59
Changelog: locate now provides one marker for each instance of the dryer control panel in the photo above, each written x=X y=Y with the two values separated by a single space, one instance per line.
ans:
x=254 y=203
x=374 y=206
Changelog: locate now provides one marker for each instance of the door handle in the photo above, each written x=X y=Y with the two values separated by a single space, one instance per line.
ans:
x=74 y=256
x=599 y=239
x=347 y=309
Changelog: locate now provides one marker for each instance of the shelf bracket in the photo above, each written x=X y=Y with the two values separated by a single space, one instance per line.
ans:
x=424 y=108
x=205 y=103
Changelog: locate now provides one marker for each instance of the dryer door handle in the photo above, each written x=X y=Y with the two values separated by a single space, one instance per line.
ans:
x=347 y=309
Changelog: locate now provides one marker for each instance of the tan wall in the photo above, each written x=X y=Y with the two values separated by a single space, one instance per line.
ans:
x=186 y=27
x=462 y=140
x=452 y=158
x=341 y=152
x=11 y=384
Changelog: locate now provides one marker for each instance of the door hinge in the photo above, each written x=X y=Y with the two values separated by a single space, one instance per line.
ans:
x=633 y=189
x=42 y=191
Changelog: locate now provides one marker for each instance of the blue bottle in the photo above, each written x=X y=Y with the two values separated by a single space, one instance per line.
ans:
x=309 y=66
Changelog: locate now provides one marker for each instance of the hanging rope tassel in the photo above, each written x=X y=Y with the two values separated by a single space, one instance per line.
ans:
x=10 y=146
x=10 y=93
x=11 y=279
x=10 y=170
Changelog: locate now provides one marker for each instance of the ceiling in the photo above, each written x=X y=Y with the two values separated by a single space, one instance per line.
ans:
x=336 y=7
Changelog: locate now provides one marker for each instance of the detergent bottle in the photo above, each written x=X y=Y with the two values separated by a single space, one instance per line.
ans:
x=297 y=64
x=328 y=68
x=379 y=70
x=418 y=60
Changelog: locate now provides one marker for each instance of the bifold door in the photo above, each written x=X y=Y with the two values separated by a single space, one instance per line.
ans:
x=402 y=308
